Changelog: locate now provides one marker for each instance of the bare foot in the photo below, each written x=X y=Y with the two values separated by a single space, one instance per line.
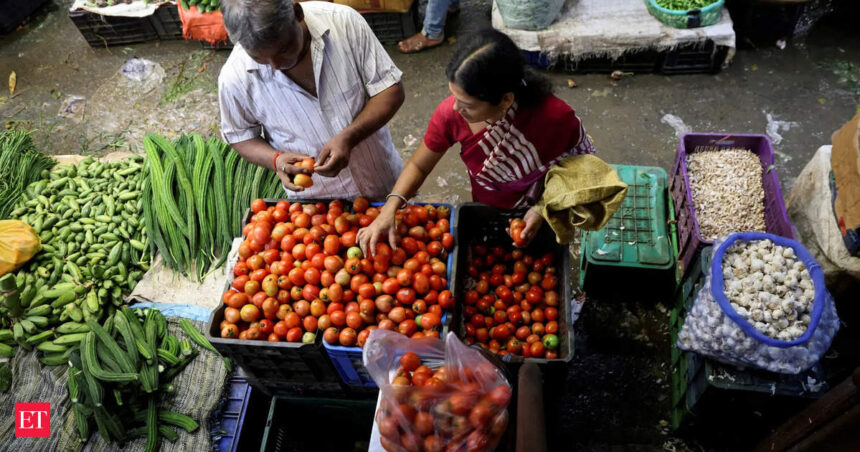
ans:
x=417 y=43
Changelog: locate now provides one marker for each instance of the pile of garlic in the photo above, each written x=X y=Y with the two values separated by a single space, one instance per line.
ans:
x=769 y=287
x=727 y=191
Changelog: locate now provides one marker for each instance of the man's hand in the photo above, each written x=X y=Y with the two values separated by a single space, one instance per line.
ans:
x=333 y=157
x=286 y=170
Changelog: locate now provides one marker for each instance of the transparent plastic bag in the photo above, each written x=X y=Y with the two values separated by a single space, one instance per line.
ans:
x=714 y=328
x=18 y=243
x=462 y=406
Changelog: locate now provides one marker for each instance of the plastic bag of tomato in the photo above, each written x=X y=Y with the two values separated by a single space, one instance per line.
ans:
x=515 y=300
x=435 y=396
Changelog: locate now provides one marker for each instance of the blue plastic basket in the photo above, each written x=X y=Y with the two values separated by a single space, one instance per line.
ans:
x=233 y=414
x=348 y=360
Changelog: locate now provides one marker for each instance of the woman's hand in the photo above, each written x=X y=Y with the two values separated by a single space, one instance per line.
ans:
x=533 y=220
x=286 y=170
x=383 y=226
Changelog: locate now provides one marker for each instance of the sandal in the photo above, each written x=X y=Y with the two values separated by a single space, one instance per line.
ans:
x=417 y=43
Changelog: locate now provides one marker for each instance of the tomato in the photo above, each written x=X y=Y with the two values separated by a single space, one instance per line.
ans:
x=446 y=299
x=348 y=239
x=514 y=346
x=538 y=328
x=249 y=313
x=283 y=310
x=551 y=298
x=523 y=332
x=302 y=308
x=421 y=283
x=367 y=290
x=387 y=325
x=482 y=335
x=338 y=318
x=406 y=295
x=537 y=349
x=353 y=320
x=384 y=303
x=407 y=327
x=480 y=415
x=258 y=205
x=430 y=321
x=229 y=331
x=419 y=307
x=423 y=424
x=347 y=337
x=397 y=314
x=310 y=292
x=324 y=322
x=404 y=277
x=294 y=334
x=549 y=282
x=266 y=326
x=237 y=300
x=270 y=308
x=390 y=286
x=410 y=361
x=292 y=319
x=310 y=323
x=281 y=329
x=534 y=295
x=551 y=327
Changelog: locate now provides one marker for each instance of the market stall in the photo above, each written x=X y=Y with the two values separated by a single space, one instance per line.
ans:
x=598 y=36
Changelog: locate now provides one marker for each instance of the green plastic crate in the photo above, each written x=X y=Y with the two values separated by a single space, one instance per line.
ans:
x=638 y=235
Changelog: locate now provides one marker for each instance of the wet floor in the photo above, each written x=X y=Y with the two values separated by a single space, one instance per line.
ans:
x=617 y=389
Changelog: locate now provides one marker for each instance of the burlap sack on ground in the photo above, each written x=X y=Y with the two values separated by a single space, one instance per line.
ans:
x=810 y=210
x=198 y=391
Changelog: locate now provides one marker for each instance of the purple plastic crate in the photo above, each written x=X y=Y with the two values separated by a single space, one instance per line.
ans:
x=690 y=240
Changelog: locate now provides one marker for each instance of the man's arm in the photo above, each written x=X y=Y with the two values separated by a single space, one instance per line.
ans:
x=379 y=109
x=260 y=153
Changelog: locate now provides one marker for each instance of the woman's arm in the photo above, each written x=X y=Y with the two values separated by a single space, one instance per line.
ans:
x=414 y=173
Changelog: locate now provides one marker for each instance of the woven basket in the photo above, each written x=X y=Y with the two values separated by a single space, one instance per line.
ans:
x=691 y=18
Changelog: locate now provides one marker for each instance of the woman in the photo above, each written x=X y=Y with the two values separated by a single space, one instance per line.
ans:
x=510 y=126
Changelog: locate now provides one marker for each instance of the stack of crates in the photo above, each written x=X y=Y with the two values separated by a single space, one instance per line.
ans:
x=640 y=235
x=694 y=376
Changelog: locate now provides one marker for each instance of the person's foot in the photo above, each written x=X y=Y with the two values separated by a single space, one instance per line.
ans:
x=417 y=43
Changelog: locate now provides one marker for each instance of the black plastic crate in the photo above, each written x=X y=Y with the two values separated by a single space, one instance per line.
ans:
x=479 y=223
x=304 y=424
x=278 y=368
x=100 y=31
x=390 y=28
x=14 y=12
x=704 y=58
x=166 y=22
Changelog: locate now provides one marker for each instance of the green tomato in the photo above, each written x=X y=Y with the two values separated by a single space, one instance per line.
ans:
x=550 y=341
x=354 y=251
x=308 y=338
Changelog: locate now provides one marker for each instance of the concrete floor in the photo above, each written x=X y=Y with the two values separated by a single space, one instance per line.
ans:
x=617 y=390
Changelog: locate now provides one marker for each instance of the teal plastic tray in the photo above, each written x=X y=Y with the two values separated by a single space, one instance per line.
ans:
x=638 y=235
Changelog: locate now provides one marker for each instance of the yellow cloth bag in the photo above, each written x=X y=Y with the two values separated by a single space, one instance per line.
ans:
x=581 y=191
x=18 y=243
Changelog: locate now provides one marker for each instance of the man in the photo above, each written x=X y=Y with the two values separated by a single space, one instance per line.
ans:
x=310 y=79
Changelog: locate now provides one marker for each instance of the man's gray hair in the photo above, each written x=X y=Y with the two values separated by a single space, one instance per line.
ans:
x=256 y=23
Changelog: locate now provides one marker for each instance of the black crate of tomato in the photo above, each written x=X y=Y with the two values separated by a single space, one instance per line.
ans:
x=480 y=224
x=280 y=369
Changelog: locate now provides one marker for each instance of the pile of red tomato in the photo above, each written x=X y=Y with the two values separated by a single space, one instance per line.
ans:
x=300 y=272
x=512 y=305
x=443 y=409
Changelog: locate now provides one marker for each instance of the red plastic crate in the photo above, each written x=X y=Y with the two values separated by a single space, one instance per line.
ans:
x=690 y=240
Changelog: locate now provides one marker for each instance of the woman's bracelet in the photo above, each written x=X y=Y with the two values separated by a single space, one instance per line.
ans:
x=402 y=198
